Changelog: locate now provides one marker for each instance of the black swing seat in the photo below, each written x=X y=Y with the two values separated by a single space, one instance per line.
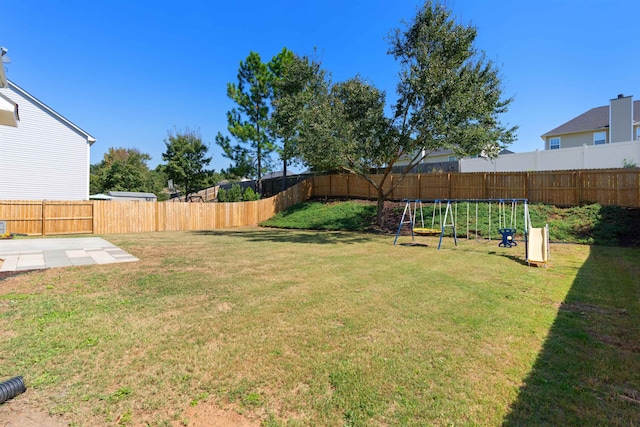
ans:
x=507 y=237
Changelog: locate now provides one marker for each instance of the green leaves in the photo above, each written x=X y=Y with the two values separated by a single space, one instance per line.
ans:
x=250 y=123
x=186 y=160
x=449 y=95
x=125 y=169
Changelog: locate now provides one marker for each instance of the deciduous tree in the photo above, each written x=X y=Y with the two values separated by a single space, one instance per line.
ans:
x=449 y=96
x=124 y=169
x=186 y=161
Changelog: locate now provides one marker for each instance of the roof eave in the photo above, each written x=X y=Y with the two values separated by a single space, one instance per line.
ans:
x=90 y=139
x=545 y=135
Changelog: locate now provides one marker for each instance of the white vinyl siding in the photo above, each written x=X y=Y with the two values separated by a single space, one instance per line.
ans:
x=599 y=138
x=554 y=143
x=43 y=158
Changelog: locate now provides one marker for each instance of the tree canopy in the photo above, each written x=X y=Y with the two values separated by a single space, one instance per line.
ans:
x=186 y=161
x=250 y=123
x=125 y=169
x=449 y=96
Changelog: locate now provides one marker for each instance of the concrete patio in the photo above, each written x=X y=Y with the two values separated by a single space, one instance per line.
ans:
x=36 y=254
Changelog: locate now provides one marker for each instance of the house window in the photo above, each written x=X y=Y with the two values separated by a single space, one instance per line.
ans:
x=599 y=138
x=452 y=158
x=638 y=133
x=554 y=143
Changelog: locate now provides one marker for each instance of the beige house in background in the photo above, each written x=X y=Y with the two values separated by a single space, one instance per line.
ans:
x=617 y=122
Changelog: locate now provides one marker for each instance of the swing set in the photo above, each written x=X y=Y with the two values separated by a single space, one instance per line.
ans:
x=536 y=240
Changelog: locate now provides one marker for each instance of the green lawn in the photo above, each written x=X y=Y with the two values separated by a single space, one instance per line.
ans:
x=293 y=328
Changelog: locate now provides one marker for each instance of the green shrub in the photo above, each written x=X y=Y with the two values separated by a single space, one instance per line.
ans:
x=222 y=195
x=235 y=194
x=250 y=195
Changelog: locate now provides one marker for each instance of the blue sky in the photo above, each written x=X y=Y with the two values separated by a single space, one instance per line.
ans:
x=127 y=72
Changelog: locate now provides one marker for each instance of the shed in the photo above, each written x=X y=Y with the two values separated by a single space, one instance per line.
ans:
x=132 y=196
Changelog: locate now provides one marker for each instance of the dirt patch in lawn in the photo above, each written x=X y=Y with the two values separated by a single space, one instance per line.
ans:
x=208 y=414
x=20 y=412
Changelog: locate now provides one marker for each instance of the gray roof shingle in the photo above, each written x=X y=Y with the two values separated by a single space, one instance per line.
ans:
x=594 y=119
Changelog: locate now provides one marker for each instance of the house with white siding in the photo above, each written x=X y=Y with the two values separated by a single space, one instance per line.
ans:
x=44 y=157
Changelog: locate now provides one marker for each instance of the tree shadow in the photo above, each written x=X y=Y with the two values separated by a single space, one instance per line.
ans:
x=278 y=235
x=588 y=372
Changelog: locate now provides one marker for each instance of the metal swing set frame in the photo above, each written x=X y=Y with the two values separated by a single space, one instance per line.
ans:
x=507 y=219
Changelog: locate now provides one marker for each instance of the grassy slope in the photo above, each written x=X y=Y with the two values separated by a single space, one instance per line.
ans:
x=591 y=224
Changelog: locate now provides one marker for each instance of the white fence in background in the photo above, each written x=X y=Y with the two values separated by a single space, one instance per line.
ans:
x=606 y=156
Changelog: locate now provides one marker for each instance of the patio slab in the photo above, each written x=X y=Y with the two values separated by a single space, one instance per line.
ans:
x=35 y=254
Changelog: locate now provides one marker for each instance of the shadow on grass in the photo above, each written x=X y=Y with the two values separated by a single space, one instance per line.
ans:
x=588 y=372
x=290 y=236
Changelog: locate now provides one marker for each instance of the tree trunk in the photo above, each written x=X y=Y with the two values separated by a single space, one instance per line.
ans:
x=258 y=152
x=284 y=175
x=380 y=206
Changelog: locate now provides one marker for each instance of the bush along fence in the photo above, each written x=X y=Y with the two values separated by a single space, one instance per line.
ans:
x=619 y=187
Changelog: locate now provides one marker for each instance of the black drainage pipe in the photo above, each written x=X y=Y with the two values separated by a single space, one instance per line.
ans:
x=11 y=388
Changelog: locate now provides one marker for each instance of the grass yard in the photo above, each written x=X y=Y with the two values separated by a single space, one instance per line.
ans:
x=296 y=328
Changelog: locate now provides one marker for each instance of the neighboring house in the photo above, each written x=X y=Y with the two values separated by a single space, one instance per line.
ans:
x=46 y=157
x=131 y=196
x=617 y=122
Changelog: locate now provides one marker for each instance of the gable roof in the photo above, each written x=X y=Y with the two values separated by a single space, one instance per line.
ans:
x=45 y=107
x=594 y=119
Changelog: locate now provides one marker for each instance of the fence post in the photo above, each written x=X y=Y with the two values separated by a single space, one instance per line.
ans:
x=578 y=184
x=485 y=186
x=348 y=185
x=44 y=217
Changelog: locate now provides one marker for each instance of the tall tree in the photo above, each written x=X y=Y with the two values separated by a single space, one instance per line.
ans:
x=186 y=160
x=279 y=65
x=448 y=97
x=124 y=169
x=249 y=122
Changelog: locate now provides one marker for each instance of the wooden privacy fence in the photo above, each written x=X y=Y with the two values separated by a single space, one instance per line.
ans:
x=619 y=187
x=110 y=217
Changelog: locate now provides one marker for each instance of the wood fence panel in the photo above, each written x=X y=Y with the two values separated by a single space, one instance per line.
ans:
x=67 y=218
x=322 y=186
x=340 y=185
x=360 y=188
x=409 y=188
x=175 y=216
x=610 y=187
x=22 y=216
x=559 y=188
x=111 y=217
x=468 y=186
x=434 y=186
x=505 y=185
x=628 y=188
